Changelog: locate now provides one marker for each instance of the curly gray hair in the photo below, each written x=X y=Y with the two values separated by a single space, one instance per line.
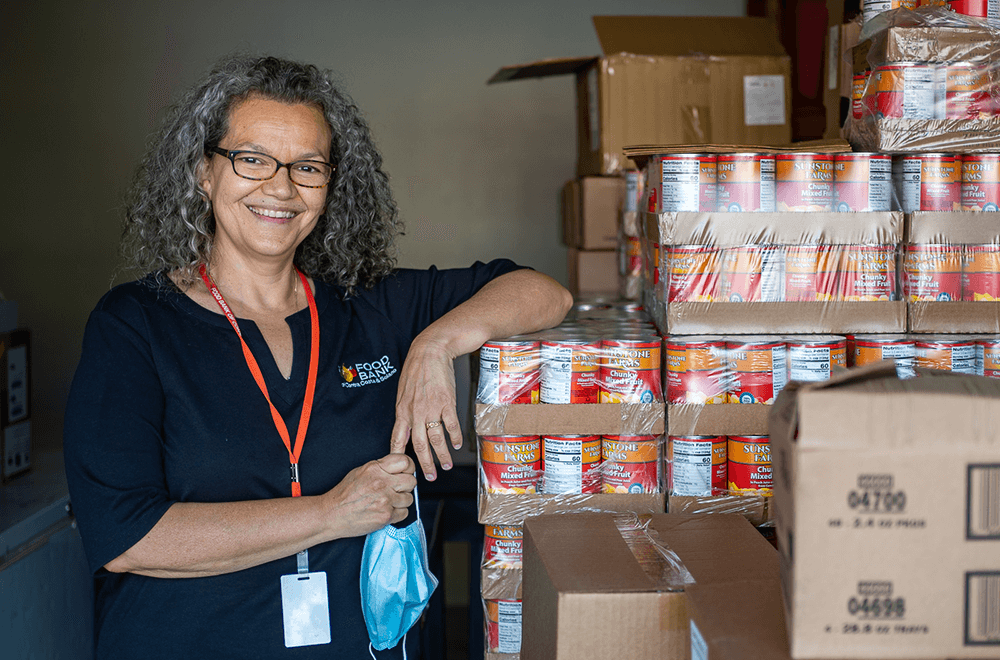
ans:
x=169 y=225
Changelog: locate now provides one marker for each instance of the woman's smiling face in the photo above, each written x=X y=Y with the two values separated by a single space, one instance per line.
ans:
x=266 y=220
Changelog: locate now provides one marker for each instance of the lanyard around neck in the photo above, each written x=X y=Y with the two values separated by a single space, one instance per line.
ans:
x=279 y=423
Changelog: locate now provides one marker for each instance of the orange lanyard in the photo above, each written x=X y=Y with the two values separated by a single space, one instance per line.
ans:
x=279 y=423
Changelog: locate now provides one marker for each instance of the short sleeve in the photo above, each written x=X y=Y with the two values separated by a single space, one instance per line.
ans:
x=413 y=299
x=113 y=435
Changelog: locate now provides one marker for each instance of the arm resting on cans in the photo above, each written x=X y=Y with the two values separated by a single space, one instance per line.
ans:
x=514 y=303
x=195 y=539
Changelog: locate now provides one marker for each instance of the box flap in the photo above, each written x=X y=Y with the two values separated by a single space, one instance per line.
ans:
x=556 y=66
x=687 y=35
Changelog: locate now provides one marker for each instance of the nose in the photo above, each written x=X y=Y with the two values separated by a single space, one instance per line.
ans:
x=280 y=185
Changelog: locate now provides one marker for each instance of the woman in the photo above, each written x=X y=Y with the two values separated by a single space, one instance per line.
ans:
x=180 y=473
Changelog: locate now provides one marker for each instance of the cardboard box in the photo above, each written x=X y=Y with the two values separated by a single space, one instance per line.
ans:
x=839 y=76
x=15 y=402
x=566 y=419
x=667 y=79
x=587 y=596
x=592 y=271
x=888 y=514
x=955 y=228
x=732 y=230
x=591 y=207
x=738 y=620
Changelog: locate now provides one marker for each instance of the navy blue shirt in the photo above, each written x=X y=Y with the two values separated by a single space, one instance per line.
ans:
x=163 y=409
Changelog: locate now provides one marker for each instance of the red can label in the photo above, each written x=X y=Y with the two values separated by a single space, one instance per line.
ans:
x=753 y=273
x=503 y=626
x=750 y=464
x=696 y=465
x=571 y=464
x=630 y=371
x=981 y=182
x=863 y=182
x=869 y=272
x=933 y=272
x=694 y=273
x=909 y=90
x=977 y=8
x=696 y=371
x=745 y=183
x=509 y=372
x=967 y=91
x=952 y=355
x=511 y=463
x=988 y=358
x=804 y=182
x=981 y=273
x=759 y=371
x=683 y=182
x=630 y=464
x=932 y=182
x=569 y=371
x=503 y=546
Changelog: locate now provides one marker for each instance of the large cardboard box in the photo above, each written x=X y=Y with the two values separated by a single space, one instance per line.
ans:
x=591 y=207
x=589 y=594
x=592 y=272
x=673 y=80
x=15 y=402
x=956 y=229
x=887 y=501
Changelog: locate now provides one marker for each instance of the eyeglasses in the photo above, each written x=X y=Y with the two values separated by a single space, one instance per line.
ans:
x=261 y=167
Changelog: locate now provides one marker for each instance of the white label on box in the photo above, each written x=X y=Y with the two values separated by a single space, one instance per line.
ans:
x=764 y=100
x=833 y=59
x=594 y=110
x=699 y=649
x=16 y=448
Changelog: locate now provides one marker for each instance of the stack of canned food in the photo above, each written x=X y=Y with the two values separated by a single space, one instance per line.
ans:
x=947 y=182
x=948 y=272
x=713 y=465
x=925 y=90
x=978 y=8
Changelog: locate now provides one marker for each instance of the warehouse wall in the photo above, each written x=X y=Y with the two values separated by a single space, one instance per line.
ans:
x=476 y=169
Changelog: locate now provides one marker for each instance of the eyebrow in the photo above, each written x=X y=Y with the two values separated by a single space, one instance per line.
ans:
x=253 y=146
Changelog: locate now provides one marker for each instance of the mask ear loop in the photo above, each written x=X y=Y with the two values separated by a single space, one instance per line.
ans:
x=371 y=649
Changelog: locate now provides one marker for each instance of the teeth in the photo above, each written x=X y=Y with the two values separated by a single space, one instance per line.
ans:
x=282 y=215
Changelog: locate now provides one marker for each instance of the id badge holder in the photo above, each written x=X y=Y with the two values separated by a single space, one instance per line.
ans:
x=305 y=606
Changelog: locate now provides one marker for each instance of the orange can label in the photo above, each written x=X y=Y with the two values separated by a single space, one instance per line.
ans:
x=630 y=371
x=932 y=272
x=503 y=626
x=750 y=464
x=981 y=182
x=630 y=464
x=503 y=546
x=869 y=272
x=571 y=464
x=981 y=273
x=694 y=273
x=511 y=464
x=804 y=182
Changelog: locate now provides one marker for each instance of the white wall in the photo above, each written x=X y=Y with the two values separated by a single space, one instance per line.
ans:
x=476 y=169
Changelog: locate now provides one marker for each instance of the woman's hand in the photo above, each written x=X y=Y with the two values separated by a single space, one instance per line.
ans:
x=426 y=395
x=372 y=496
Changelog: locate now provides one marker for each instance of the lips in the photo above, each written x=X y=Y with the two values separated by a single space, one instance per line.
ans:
x=272 y=214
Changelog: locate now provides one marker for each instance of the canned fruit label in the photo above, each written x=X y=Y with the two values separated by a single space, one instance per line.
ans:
x=503 y=546
x=801 y=263
x=872 y=8
x=932 y=183
x=503 y=626
x=697 y=465
x=571 y=464
x=569 y=372
x=745 y=183
x=981 y=182
x=869 y=272
x=910 y=91
x=967 y=92
x=933 y=272
x=630 y=464
x=988 y=358
x=685 y=183
x=750 y=274
x=511 y=464
x=957 y=356
x=863 y=182
x=867 y=351
x=750 y=464
x=630 y=371
x=509 y=372
x=804 y=182
x=759 y=372
x=694 y=274
x=815 y=362
x=696 y=372
x=981 y=273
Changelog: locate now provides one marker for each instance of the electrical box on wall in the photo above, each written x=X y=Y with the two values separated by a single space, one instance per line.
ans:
x=15 y=404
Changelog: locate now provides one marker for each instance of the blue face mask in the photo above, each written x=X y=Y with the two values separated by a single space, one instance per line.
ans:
x=396 y=582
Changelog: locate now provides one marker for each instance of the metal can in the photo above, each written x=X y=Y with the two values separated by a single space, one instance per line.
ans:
x=633 y=191
x=862 y=182
x=503 y=546
x=948 y=353
x=630 y=464
x=696 y=465
x=752 y=273
x=503 y=625
x=511 y=464
x=745 y=182
x=988 y=357
x=804 y=182
x=931 y=182
x=981 y=182
x=630 y=370
x=569 y=370
x=862 y=97
x=696 y=370
x=868 y=272
x=977 y=8
x=875 y=348
x=932 y=272
x=981 y=273
x=570 y=464
x=967 y=91
x=683 y=182
x=813 y=358
x=694 y=273
x=828 y=273
x=872 y=8
x=801 y=262
x=509 y=372
x=750 y=464
x=909 y=90
x=758 y=368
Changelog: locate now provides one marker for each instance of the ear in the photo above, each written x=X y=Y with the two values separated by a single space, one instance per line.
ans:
x=204 y=174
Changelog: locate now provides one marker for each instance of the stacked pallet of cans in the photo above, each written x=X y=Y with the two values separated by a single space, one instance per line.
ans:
x=567 y=419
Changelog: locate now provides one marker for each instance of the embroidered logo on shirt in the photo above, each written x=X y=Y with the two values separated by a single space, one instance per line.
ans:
x=367 y=373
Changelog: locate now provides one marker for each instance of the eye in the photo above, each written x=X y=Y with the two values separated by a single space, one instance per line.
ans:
x=310 y=167
x=249 y=159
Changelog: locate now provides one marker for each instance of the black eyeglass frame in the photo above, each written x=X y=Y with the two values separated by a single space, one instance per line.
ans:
x=232 y=153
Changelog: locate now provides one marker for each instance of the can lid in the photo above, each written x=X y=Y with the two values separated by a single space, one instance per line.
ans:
x=795 y=340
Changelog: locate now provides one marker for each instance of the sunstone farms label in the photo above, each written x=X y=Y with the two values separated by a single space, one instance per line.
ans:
x=694 y=273
x=868 y=273
x=988 y=357
x=863 y=182
x=745 y=183
x=569 y=371
x=696 y=370
x=683 y=182
x=932 y=272
x=630 y=464
x=503 y=546
x=804 y=182
x=758 y=369
x=750 y=464
x=509 y=372
x=931 y=182
x=981 y=273
x=753 y=273
x=981 y=182
x=511 y=463
x=697 y=465
x=630 y=371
